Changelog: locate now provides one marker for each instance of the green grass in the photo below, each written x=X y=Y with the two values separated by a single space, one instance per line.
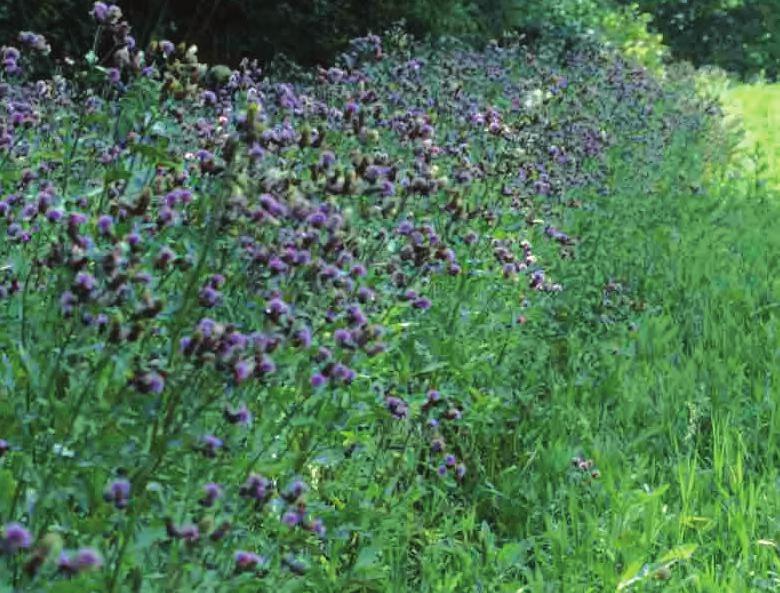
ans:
x=680 y=410
x=758 y=107
x=669 y=384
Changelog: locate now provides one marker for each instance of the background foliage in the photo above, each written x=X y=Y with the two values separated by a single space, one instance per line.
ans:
x=314 y=31
x=742 y=36
x=738 y=35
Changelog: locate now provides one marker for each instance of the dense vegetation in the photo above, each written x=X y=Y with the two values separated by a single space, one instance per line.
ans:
x=308 y=31
x=742 y=36
x=434 y=318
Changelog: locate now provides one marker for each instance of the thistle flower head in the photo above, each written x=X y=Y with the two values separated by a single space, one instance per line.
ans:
x=16 y=537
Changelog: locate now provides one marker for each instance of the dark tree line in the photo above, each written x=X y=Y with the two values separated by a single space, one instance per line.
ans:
x=739 y=35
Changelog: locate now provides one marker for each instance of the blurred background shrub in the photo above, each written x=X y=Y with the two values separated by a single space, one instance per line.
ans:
x=742 y=36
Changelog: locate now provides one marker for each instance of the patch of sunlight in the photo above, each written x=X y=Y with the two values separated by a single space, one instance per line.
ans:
x=757 y=108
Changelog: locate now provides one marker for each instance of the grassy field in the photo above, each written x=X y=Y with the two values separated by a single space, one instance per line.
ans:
x=681 y=415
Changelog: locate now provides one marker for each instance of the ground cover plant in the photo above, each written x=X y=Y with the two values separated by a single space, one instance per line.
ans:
x=389 y=325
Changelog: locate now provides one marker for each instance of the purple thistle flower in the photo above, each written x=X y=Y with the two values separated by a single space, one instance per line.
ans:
x=209 y=297
x=276 y=265
x=341 y=372
x=537 y=279
x=239 y=416
x=302 y=337
x=294 y=491
x=10 y=66
x=342 y=337
x=167 y=47
x=82 y=560
x=151 y=382
x=323 y=354
x=118 y=492
x=99 y=12
x=75 y=219
x=84 y=282
x=211 y=445
x=189 y=533
x=256 y=152
x=242 y=370
x=11 y=53
x=272 y=206
x=327 y=158
x=317 y=219
x=67 y=302
x=211 y=492
x=356 y=316
x=185 y=344
x=365 y=294
x=54 y=215
x=133 y=239
x=87 y=558
x=266 y=366
x=276 y=308
x=247 y=560
x=317 y=527
x=256 y=487
x=386 y=188
x=397 y=407
x=291 y=518
x=318 y=380
x=105 y=223
x=421 y=303
x=405 y=228
x=66 y=564
x=16 y=537
x=204 y=156
x=329 y=272
x=207 y=327
x=351 y=109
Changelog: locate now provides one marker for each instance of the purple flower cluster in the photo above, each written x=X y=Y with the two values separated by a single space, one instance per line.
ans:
x=15 y=537
x=118 y=493
x=81 y=560
x=217 y=274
